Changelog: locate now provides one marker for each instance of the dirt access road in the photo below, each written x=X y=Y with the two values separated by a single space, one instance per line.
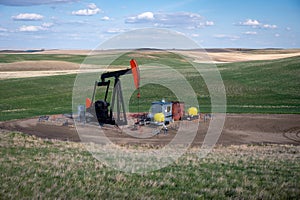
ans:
x=238 y=129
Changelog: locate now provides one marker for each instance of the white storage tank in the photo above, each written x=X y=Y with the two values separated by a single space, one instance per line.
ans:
x=162 y=107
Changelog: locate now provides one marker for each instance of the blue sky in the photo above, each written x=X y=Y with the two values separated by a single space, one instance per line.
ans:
x=76 y=24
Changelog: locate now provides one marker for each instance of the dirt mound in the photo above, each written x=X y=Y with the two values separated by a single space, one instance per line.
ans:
x=38 y=66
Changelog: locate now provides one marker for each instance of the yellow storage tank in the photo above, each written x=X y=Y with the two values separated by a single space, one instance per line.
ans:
x=192 y=111
x=159 y=117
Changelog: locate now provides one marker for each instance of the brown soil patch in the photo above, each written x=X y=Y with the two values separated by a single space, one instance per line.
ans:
x=27 y=74
x=26 y=69
x=238 y=129
x=234 y=56
x=240 y=57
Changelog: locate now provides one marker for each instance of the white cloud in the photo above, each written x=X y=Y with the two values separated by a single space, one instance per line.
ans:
x=203 y=24
x=32 y=2
x=224 y=36
x=92 y=6
x=115 y=30
x=250 y=33
x=28 y=17
x=269 y=26
x=146 y=16
x=47 y=25
x=250 y=22
x=3 y=29
x=185 y=20
x=143 y=17
x=256 y=24
x=91 y=10
x=209 y=23
x=31 y=28
x=195 y=35
x=277 y=35
x=288 y=28
x=86 y=12
x=105 y=18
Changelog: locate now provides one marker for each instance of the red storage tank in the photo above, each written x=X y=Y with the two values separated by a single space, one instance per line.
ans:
x=177 y=110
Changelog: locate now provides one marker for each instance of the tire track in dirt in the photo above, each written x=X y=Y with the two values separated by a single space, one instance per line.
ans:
x=292 y=134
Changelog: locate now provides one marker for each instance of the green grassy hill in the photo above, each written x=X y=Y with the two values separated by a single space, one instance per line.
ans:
x=263 y=86
x=252 y=87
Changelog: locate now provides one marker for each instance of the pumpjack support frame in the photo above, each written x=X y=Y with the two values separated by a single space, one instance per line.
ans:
x=116 y=100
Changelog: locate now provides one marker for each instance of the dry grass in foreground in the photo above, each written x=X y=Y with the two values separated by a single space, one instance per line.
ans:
x=31 y=167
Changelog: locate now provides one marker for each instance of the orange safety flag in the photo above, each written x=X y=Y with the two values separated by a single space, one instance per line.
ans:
x=88 y=102
x=136 y=74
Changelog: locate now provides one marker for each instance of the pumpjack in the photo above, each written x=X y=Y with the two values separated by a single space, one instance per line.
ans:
x=102 y=110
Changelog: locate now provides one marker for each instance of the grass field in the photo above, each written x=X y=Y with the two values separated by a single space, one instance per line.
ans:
x=34 y=168
x=9 y=58
x=251 y=87
x=263 y=86
x=21 y=98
